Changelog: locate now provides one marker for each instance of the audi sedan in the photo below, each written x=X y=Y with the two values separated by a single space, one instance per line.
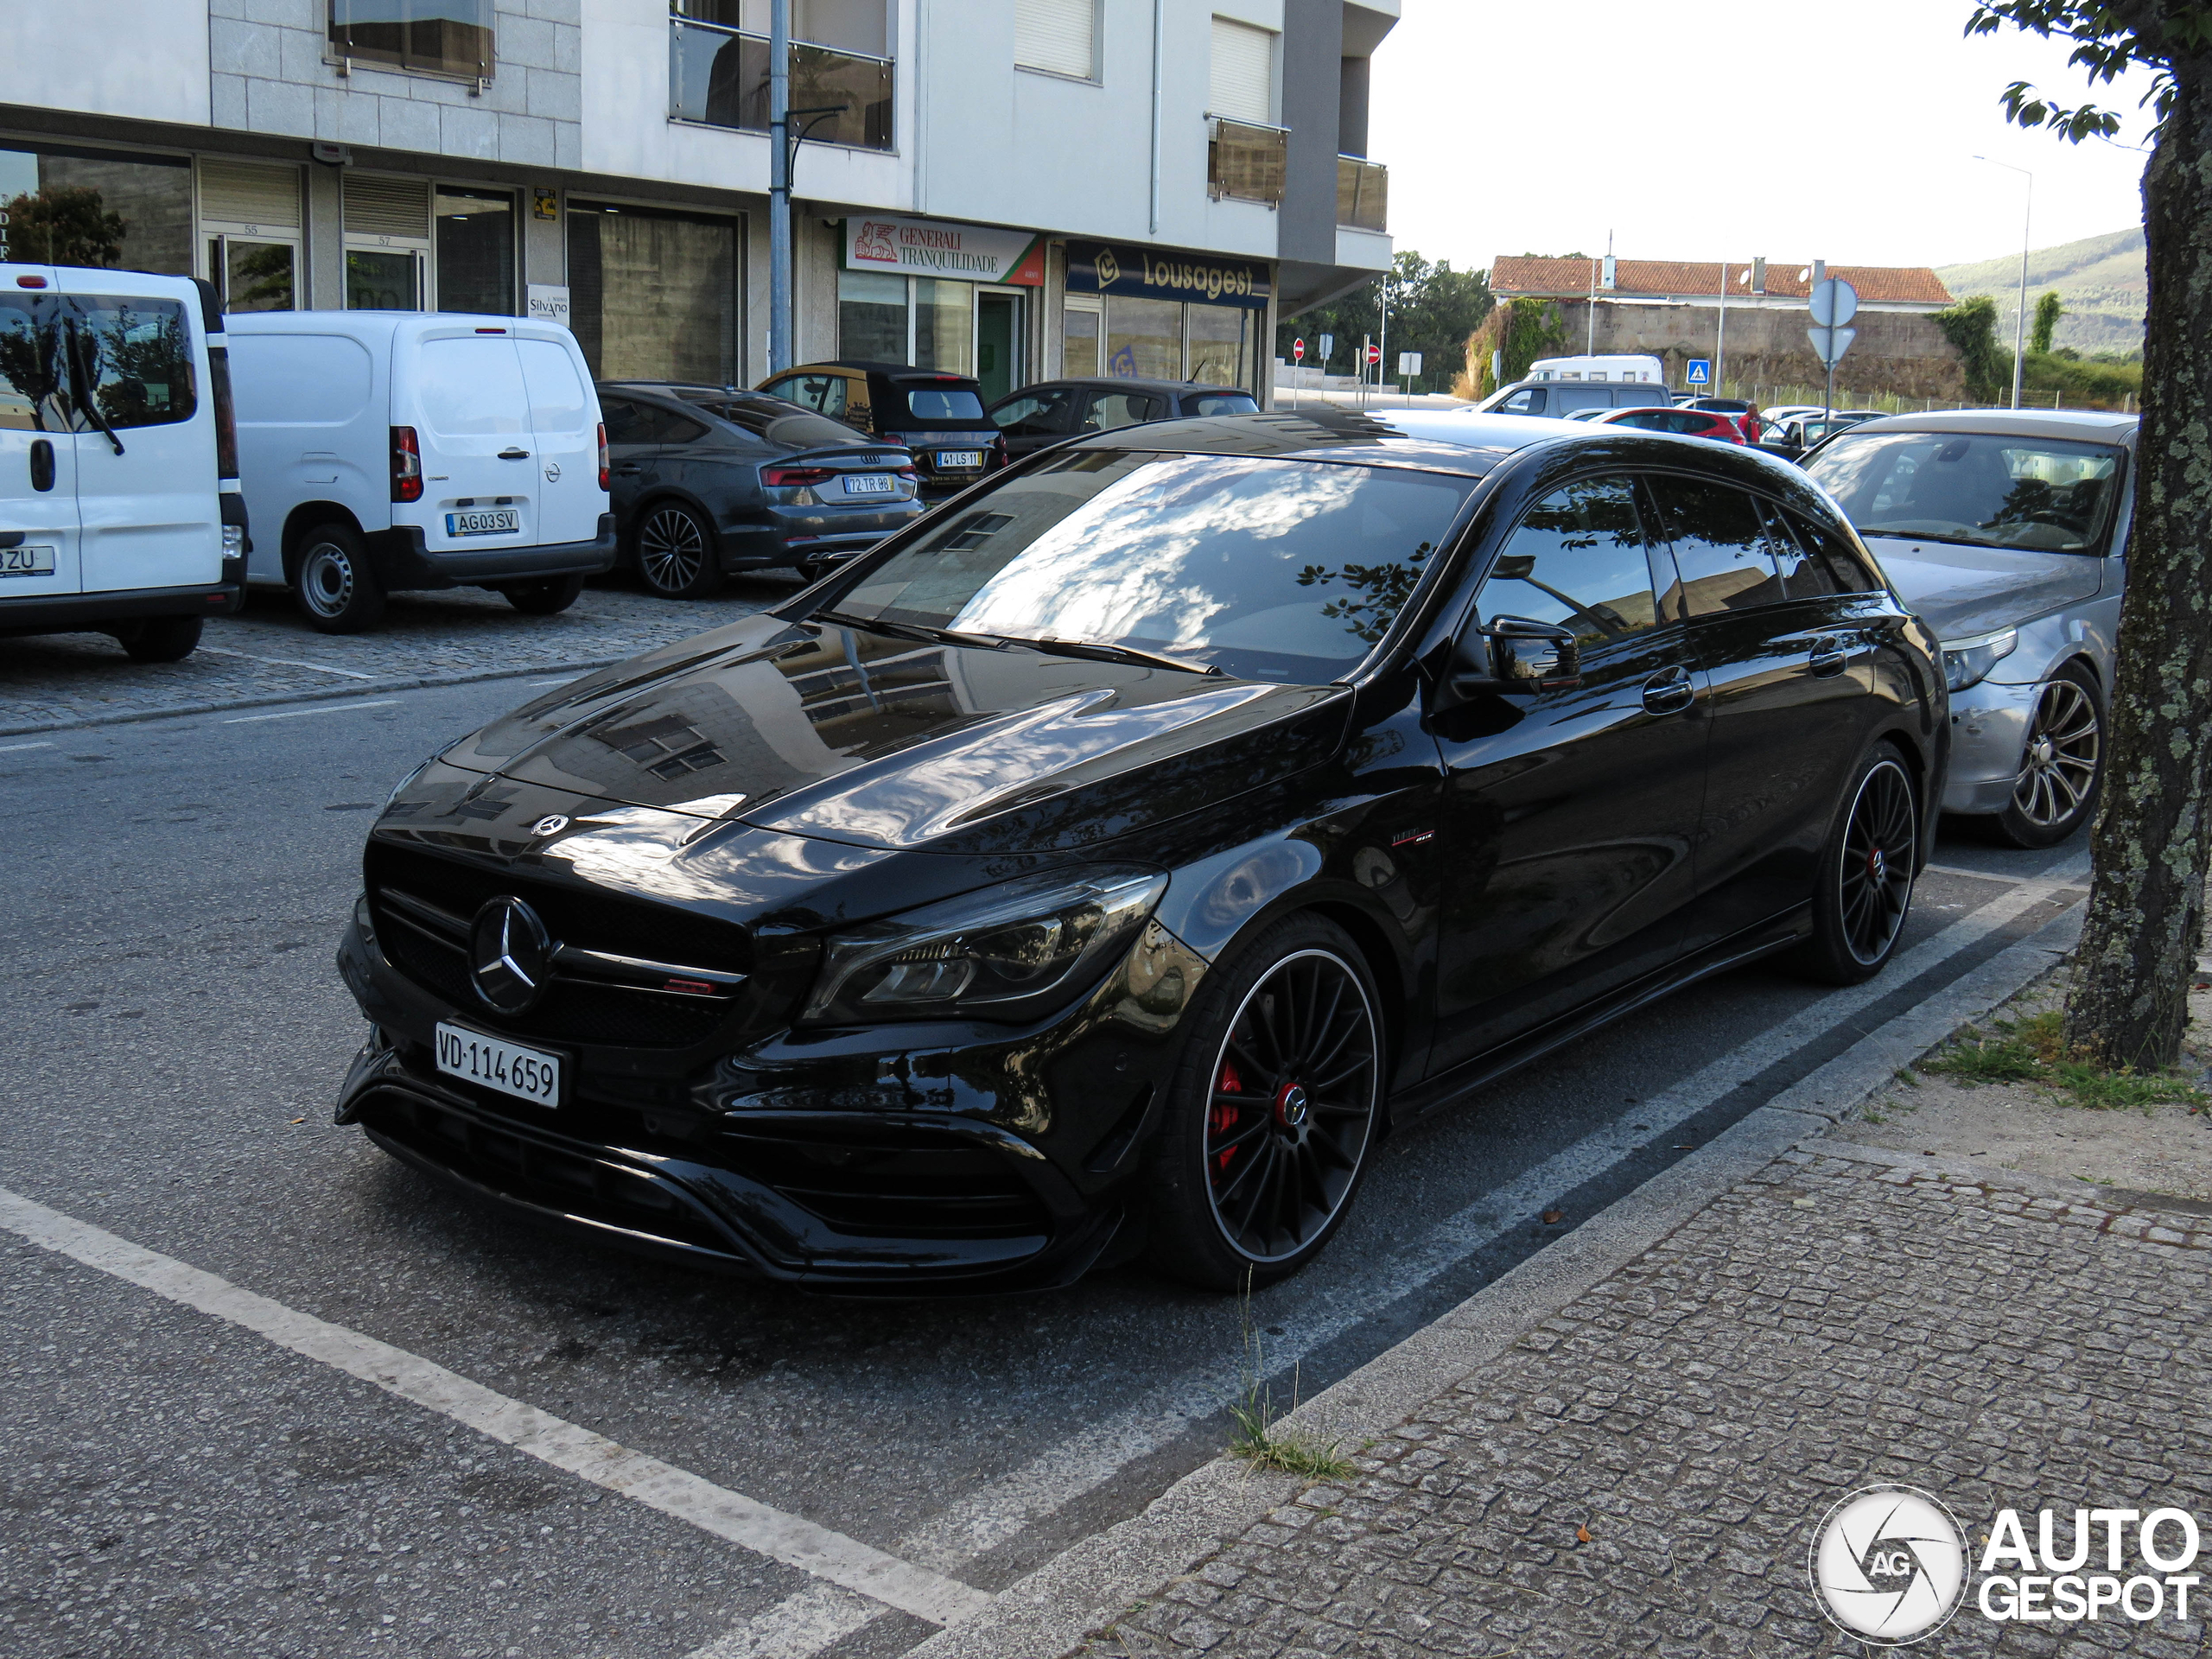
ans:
x=1100 y=867
x=706 y=482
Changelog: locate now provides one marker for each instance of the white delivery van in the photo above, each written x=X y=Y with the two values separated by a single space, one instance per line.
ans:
x=408 y=449
x=1637 y=370
x=119 y=504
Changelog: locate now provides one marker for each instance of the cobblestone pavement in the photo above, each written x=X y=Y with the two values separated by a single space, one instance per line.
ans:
x=270 y=651
x=1831 y=1323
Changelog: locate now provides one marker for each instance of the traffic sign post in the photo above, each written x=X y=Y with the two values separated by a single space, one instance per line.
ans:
x=1297 y=356
x=1408 y=367
x=1834 y=302
x=1700 y=372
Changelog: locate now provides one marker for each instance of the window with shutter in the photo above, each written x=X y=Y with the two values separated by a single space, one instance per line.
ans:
x=1243 y=73
x=243 y=193
x=1058 y=35
x=385 y=207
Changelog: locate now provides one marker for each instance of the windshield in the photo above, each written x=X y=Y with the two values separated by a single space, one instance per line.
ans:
x=2045 y=495
x=1283 y=570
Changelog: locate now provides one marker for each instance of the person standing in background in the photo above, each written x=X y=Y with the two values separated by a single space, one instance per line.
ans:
x=1752 y=426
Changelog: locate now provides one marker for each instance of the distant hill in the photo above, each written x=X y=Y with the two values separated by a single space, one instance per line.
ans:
x=2099 y=278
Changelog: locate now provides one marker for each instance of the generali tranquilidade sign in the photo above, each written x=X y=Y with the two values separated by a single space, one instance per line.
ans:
x=928 y=247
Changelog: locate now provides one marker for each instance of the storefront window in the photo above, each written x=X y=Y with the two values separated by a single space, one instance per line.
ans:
x=379 y=281
x=476 y=251
x=1144 y=339
x=1221 y=345
x=71 y=206
x=254 y=276
x=653 y=295
x=944 y=325
x=871 y=316
x=1079 y=341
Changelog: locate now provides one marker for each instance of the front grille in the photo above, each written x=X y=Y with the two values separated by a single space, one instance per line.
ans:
x=894 y=1183
x=432 y=953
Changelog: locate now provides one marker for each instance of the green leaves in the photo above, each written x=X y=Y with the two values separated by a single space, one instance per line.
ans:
x=2109 y=41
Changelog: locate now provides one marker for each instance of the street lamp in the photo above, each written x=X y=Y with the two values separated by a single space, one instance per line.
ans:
x=783 y=157
x=2020 y=321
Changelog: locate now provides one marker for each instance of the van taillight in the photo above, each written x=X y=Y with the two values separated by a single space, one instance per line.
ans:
x=406 y=464
x=602 y=454
x=226 y=419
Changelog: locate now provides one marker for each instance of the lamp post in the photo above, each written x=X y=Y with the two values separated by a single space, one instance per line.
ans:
x=2020 y=321
x=782 y=159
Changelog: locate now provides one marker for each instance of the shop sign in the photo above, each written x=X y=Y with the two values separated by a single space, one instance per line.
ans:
x=1162 y=274
x=549 y=302
x=925 y=247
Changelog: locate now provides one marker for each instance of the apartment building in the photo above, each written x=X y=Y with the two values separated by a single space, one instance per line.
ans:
x=1011 y=188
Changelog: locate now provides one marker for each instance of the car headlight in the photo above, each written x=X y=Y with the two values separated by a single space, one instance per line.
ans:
x=1967 y=662
x=1001 y=954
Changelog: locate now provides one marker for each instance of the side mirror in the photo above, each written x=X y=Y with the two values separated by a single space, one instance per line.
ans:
x=1530 y=655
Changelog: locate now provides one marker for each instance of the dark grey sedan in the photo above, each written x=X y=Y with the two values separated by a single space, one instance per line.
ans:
x=707 y=480
x=1052 y=410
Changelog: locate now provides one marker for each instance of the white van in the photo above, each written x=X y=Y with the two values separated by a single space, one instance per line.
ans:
x=116 y=516
x=1636 y=370
x=397 y=449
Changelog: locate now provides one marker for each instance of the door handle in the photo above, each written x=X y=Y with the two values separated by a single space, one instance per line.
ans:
x=41 y=464
x=1669 y=691
x=629 y=471
x=1828 y=656
x=514 y=454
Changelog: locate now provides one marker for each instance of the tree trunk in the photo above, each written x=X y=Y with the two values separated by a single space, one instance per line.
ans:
x=2129 y=1005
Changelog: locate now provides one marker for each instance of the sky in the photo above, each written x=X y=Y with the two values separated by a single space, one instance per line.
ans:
x=1783 y=129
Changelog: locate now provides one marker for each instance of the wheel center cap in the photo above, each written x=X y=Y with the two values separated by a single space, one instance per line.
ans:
x=1877 y=866
x=1291 y=1107
x=2044 y=750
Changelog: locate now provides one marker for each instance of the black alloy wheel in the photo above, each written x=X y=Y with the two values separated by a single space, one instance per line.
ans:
x=1275 y=1108
x=676 y=552
x=1865 y=888
x=2061 y=765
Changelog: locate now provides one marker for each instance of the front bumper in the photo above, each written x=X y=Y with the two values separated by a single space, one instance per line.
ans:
x=1989 y=736
x=910 y=1161
x=406 y=561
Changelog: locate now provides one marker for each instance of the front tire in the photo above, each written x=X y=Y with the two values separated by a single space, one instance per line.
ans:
x=159 y=638
x=338 y=589
x=1864 y=888
x=1272 y=1111
x=2061 y=766
x=676 y=554
x=547 y=598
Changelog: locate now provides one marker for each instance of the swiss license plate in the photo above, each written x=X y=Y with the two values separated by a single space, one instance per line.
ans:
x=21 y=561
x=869 y=484
x=498 y=522
x=528 y=1074
x=959 y=457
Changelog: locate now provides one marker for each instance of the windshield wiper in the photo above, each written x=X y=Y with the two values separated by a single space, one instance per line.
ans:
x=910 y=631
x=86 y=385
x=1104 y=654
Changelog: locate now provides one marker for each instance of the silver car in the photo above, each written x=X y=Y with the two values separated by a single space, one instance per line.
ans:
x=2006 y=531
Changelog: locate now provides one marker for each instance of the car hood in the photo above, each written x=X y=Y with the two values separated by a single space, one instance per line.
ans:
x=881 y=742
x=1963 y=591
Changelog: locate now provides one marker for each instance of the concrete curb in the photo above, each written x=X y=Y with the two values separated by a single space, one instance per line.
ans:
x=1092 y=1583
x=357 y=688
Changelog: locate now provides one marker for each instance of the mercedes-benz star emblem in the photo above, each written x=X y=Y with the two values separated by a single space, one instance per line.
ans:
x=552 y=471
x=508 y=950
x=551 y=824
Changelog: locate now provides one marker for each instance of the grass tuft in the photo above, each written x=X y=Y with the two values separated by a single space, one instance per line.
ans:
x=2032 y=1051
x=1257 y=1438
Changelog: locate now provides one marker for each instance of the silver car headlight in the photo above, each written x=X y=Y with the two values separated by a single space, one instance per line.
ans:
x=1009 y=952
x=1967 y=662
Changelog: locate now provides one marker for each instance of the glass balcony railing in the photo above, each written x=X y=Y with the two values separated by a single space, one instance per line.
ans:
x=1363 y=193
x=1245 y=161
x=720 y=77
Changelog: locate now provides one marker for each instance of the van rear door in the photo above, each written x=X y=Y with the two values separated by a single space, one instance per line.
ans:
x=38 y=452
x=146 y=483
x=564 y=423
x=460 y=387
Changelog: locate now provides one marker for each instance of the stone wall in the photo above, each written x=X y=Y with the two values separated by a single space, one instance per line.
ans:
x=1900 y=351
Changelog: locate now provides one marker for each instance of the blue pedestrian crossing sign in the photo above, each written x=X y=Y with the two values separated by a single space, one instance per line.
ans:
x=1700 y=372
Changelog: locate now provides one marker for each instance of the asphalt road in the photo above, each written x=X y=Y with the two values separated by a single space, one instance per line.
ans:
x=172 y=1040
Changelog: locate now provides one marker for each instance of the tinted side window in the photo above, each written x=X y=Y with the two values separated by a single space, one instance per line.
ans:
x=1110 y=409
x=1719 y=545
x=1530 y=400
x=1577 y=559
x=666 y=426
x=1849 y=569
x=1035 y=414
x=1804 y=574
x=1567 y=399
x=623 y=421
x=134 y=359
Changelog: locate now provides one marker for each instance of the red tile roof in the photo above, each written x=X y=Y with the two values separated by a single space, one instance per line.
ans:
x=1530 y=274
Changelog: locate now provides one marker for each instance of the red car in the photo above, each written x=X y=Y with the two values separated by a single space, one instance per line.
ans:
x=1690 y=423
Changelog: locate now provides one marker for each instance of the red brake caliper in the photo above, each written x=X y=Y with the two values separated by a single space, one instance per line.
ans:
x=1222 y=1116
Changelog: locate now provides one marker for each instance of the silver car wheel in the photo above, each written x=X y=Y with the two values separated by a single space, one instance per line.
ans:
x=2059 y=767
x=327 y=580
x=672 y=549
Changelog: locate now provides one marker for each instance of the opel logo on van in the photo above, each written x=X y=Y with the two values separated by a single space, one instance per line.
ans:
x=552 y=471
x=508 y=950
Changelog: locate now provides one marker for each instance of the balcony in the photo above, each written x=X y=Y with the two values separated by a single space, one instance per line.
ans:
x=1362 y=194
x=719 y=77
x=1244 y=161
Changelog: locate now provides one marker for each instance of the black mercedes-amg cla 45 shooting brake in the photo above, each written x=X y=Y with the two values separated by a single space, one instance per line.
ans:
x=1102 y=865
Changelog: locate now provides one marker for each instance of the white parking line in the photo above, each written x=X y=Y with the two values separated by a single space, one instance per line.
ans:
x=286 y=662
x=321 y=708
x=1086 y=1461
x=9 y=748
x=884 y=1580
